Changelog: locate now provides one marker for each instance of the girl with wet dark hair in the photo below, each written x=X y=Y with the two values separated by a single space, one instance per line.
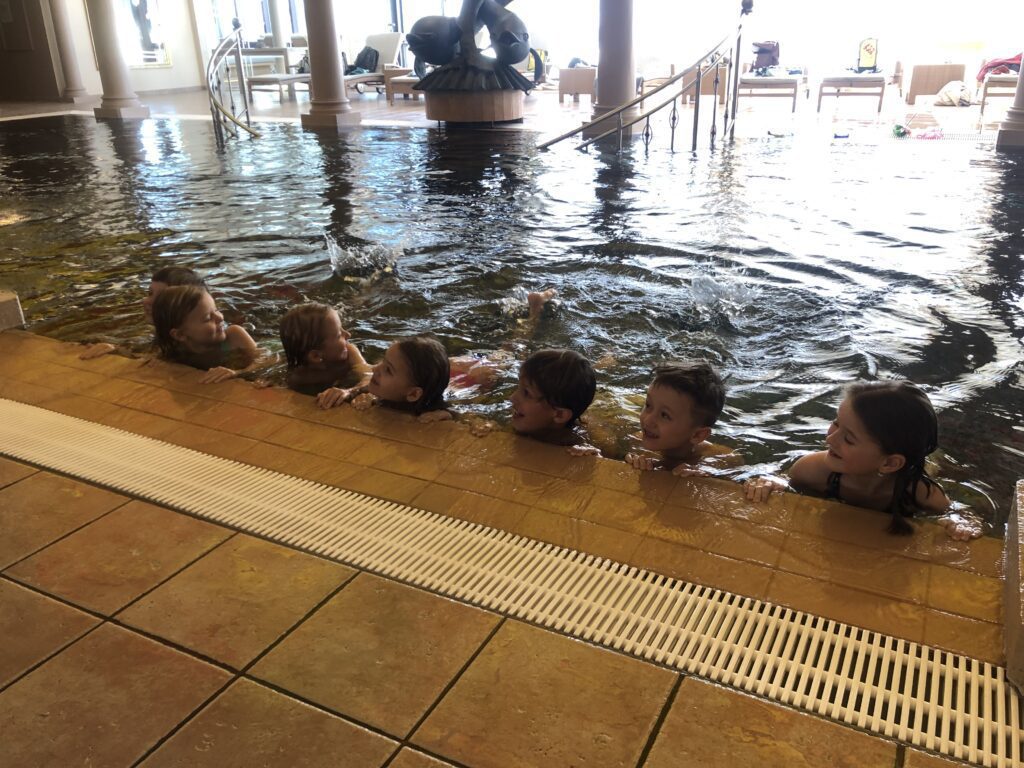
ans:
x=413 y=376
x=875 y=457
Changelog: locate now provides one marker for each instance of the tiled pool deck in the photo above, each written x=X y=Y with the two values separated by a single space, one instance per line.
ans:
x=135 y=634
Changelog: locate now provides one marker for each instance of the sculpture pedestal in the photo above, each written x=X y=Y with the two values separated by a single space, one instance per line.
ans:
x=474 y=106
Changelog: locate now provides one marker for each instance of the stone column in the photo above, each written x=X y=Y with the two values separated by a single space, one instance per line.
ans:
x=329 y=106
x=280 y=31
x=74 y=91
x=616 y=73
x=1011 y=130
x=119 y=100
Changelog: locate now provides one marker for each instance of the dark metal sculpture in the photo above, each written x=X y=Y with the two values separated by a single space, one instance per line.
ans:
x=450 y=45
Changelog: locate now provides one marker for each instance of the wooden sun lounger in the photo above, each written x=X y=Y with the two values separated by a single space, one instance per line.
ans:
x=278 y=82
x=784 y=87
x=853 y=85
x=997 y=85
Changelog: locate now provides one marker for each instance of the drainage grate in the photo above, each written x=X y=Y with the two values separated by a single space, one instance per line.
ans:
x=940 y=701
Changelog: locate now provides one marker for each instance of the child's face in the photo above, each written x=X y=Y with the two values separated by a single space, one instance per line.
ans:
x=531 y=412
x=335 y=348
x=147 y=301
x=203 y=326
x=667 y=423
x=392 y=380
x=851 y=450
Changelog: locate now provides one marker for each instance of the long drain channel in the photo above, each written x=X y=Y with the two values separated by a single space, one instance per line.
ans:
x=951 y=704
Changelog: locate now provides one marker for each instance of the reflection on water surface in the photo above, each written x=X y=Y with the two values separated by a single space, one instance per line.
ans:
x=795 y=265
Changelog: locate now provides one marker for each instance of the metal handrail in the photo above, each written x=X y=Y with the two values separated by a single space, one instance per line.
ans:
x=712 y=58
x=224 y=118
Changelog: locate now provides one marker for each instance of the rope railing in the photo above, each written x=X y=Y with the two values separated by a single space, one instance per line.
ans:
x=676 y=86
x=226 y=118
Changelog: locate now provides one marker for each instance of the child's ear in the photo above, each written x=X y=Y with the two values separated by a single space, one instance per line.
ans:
x=177 y=335
x=414 y=394
x=314 y=357
x=700 y=434
x=562 y=416
x=894 y=462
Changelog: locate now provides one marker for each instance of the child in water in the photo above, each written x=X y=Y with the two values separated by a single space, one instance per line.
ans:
x=165 y=277
x=683 y=403
x=555 y=387
x=875 y=458
x=319 y=354
x=413 y=376
x=190 y=330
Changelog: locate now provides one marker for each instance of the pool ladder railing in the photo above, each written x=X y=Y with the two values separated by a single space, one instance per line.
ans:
x=670 y=92
x=223 y=84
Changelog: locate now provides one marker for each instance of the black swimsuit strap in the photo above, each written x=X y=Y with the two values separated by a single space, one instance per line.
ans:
x=832 y=485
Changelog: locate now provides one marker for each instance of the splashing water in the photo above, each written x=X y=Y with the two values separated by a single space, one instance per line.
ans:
x=362 y=263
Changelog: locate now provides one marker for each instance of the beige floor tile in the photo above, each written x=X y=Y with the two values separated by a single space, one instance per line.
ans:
x=871 y=570
x=110 y=562
x=32 y=626
x=851 y=606
x=867 y=528
x=378 y=651
x=12 y=471
x=728 y=536
x=713 y=727
x=501 y=482
x=88 y=408
x=474 y=507
x=726 y=498
x=139 y=423
x=956 y=591
x=915 y=759
x=533 y=455
x=116 y=390
x=236 y=601
x=290 y=462
x=44 y=507
x=970 y=637
x=401 y=458
x=331 y=442
x=410 y=758
x=534 y=698
x=210 y=441
x=579 y=535
x=167 y=403
x=624 y=511
x=31 y=394
x=103 y=701
x=619 y=476
x=237 y=419
x=383 y=485
x=566 y=497
x=251 y=725
x=699 y=567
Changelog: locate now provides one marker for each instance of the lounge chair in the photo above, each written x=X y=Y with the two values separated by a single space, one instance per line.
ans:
x=387 y=45
x=928 y=79
x=997 y=85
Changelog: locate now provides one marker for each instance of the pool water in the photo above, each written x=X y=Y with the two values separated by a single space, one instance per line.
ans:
x=795 y=264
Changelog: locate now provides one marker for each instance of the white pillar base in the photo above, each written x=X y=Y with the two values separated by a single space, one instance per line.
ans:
x=10 y=311
x=338 y=121
x=610 y=123
x=1011 y=130
x=121 y=113
x=77 y=98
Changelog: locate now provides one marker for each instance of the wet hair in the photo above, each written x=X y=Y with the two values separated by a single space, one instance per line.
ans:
x=173 y=276
x=900 y=418
x=565 y=379
x=170 y=308
x=698 y=380
x=303 y=331
x=429 y=368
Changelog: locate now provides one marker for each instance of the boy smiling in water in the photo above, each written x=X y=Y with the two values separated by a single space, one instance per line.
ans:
x=555 y=387
x=683 y=402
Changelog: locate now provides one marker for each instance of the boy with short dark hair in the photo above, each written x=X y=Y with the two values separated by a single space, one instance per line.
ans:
x=683 y=402
x=555 y=387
